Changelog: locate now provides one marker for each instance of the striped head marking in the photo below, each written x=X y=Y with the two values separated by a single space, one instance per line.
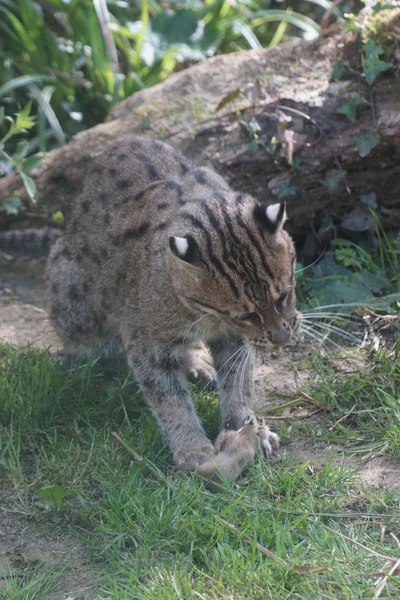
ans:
x=236 y=261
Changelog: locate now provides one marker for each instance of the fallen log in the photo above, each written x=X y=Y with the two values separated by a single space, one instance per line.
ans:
x=268 y=121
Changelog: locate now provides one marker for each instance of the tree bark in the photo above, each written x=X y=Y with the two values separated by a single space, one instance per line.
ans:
x=278 y=135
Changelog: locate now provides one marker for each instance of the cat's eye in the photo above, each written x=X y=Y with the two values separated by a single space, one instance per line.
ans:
x=252 y=318
x=280 y=303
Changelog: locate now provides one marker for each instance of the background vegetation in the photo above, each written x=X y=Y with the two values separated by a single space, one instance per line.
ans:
x=75 y=59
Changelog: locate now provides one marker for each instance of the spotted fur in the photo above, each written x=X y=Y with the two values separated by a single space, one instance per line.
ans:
x=160 y=255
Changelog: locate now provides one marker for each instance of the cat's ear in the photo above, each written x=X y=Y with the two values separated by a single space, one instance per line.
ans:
x=271 y=217
x=185 y=248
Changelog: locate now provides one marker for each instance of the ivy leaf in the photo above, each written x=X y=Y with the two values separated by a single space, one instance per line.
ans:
x=286 y=189
x=54 y=495
x=333 y=179
x=369 y=200
x=12 y=206
x=373 y=64
x=349 y=109
x=366 y=141
x=339 y=69
x=29 y=186
x=252 y=147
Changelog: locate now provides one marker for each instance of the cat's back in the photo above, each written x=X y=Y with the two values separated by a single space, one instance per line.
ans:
x=125 y=184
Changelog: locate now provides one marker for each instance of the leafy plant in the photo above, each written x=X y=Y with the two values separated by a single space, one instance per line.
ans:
x=22 y=122
x=75 y=60
x=366 y=141
x=373 y=64
x=349 y=108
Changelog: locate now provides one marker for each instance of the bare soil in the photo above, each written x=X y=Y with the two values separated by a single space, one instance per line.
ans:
x=24 y=547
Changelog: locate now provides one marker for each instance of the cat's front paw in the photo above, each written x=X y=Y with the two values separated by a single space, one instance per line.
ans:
x=189 y=461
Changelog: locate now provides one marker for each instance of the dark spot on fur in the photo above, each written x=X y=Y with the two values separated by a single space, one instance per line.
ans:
x=162 y=205
x=54 y=288
x=184 y=168
x=200 y=177
x=152 y=171
x=105 y=305
x=104 y=253
x=113 y=172
x=79 y=258
x=121 y=277
x=161 y=226
x=97 y=169
x=86 y=206
x=73 y=292
x=103 y=197
x=85 y=287
x=136 y=144
x=106 y=218
x=142 y=157
x=134 y=234
x=122 y=156
x=123 y=184
x=66 y=252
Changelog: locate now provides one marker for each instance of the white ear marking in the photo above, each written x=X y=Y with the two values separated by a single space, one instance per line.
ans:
x=182 y=245
x=272 y=212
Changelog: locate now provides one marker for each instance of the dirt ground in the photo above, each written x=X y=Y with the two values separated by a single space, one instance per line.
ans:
x=24 y=320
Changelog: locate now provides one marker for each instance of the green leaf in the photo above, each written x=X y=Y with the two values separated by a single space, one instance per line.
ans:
x=252 y=146
x=351 y=24
x=33 y=162
x=349 y=108
x=54 y=495
x=29 y=186
x=58 y=217
x=366 y=141
x=23 y=81
x=369 y=200
x=43 y=97
x=373 y=64
x=333 y=179
x=286 y=189
x=12 y=206
x=339 y=69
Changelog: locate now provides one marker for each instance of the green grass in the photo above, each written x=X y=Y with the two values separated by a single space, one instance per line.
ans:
x=151 y=537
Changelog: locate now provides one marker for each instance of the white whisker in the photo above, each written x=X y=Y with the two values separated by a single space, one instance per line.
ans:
x=241 y=352
x=320 y=338
x=337 y=330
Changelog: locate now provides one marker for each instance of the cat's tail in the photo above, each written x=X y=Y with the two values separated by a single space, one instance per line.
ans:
x=29 y=241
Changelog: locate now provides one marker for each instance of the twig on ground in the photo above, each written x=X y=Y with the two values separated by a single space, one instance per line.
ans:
x=343 y=418
x=151 y=466
x=396 y=539
x=304 y=569
x=382 y=583
x=349 y=539
x=250 y=541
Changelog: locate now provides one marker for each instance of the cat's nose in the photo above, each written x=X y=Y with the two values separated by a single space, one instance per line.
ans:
x=280 y=336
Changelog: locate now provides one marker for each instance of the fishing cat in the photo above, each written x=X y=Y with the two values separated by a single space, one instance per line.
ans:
x=159 y=255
